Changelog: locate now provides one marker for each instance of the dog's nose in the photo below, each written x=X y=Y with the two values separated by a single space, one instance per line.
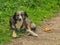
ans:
x=19 y=19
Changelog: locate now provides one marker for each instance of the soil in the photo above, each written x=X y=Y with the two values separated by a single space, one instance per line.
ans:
x=51 y=37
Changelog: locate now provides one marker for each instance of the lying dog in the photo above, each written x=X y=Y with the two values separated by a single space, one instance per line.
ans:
x=20 y=20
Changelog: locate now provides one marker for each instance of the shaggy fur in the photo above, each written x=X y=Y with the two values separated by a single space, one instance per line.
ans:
x=20 y=21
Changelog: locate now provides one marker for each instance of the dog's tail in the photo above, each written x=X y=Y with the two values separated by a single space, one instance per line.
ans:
x=31 y=32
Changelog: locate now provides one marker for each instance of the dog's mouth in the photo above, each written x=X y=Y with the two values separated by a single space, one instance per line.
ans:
x=19 y=19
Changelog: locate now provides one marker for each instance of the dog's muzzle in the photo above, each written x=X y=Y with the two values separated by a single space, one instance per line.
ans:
x=20 y=19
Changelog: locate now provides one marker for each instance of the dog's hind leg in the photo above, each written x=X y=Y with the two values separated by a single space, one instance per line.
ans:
x=30 y=31
x=33 y=27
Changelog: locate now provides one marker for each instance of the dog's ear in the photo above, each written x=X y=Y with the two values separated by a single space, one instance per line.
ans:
x=14 y=16
x=25 y=14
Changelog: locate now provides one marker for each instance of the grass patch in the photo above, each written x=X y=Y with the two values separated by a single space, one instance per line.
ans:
x=37 y=10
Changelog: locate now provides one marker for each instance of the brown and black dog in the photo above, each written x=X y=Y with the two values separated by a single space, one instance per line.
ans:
x=20 y=20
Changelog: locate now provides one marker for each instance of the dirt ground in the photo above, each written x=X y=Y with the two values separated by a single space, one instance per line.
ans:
x=45 y=38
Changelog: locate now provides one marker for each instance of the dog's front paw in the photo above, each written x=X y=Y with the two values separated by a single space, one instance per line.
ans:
x=14 y=35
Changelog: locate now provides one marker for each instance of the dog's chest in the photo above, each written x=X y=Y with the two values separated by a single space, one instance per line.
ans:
x=18 y=24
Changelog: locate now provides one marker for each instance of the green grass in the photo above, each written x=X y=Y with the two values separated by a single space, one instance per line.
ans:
x=37 y=10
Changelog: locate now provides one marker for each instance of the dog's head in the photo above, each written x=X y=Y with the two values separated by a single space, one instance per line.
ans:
x=20 y=15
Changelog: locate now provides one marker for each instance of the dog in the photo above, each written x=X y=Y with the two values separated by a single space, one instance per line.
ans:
x=19 y=20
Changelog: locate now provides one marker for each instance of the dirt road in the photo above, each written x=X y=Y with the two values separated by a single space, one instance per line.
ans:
x=44 y=38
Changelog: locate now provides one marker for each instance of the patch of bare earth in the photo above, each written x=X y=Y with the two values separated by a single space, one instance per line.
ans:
x=45 y=38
